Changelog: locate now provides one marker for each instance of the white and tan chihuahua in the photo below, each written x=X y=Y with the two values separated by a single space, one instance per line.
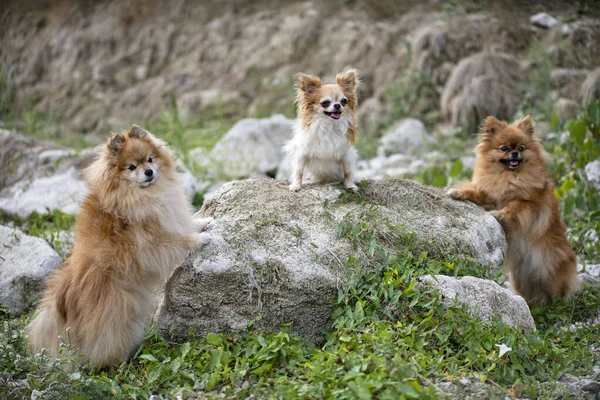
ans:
x=322 y=147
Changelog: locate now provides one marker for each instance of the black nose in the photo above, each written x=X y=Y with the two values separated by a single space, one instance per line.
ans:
x=148 y=172
x=515 y=154
x=337 y=106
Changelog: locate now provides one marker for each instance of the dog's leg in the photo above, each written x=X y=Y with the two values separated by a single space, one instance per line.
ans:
x=296 y=184
x=349 y=171
x=466 y=190
x=525 y=215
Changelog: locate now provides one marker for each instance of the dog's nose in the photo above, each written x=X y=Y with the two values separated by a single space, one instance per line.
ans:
x=337 y=106
x=148 y=172
x=515 y=154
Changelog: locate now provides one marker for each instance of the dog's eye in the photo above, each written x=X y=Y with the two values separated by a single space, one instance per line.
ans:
x=344 y=102
x=504 y=148
x=132 y=167
x=325 y=104
x=149 y=159
x=521 y=148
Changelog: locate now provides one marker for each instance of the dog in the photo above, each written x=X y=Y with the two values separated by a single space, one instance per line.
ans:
x=134 y=228
x=511 y=180
x=322 y=146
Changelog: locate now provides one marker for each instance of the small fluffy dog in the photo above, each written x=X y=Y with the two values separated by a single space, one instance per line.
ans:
x=133 y=229
x=510 y=178
x=322 y=147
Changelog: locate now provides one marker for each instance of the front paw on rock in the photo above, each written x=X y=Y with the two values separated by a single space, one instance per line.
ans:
x=294 y=187
x=456 y=194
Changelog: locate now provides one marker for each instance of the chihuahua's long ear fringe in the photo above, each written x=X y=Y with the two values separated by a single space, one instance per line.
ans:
x=307 y=83
x=525 y=125
x=115 y=143
x=349 y=80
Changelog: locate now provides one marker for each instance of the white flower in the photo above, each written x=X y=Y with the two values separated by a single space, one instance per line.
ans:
x=503 y=349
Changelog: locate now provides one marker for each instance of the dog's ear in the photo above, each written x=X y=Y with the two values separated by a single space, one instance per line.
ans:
x=137 y=132
x=307 y=83
x=525 y=125
x=115 y=143
x=491 y=126
x=349 y=80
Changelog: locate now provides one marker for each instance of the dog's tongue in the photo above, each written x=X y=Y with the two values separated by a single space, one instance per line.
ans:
x=336 y=115
x=514 y=163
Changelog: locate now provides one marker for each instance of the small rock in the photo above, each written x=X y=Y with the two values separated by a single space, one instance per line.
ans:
x=592 y=172
x=566 y=108
x=543 y=20
x=404 y=137
x=592 y=387
x=484 y=298
x=25 y=262
x=591 y=269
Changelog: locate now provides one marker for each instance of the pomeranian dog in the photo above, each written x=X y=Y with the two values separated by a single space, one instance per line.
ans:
x=322 y=146
x=510 y=180
x=134 y=228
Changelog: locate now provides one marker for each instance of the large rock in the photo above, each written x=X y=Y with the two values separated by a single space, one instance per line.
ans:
x=404 y=137
x=40 y=176
x=25 y=262
x=278 y=254
x=483 y=298
x=251 y=147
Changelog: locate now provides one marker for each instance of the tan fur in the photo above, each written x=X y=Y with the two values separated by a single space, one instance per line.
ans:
x=130 y=235
x=322 y=144
x=541 y=262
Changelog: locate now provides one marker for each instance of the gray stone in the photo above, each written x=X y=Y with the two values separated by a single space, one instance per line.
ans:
x=543 y=20
x=25 y=262
x=404 y=137
x=566 y=108
x=484 y=298
x=252 y=146
x=278 y=254
x=592 y=172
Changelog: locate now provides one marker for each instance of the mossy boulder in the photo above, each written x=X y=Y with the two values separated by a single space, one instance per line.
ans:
x=279 y=257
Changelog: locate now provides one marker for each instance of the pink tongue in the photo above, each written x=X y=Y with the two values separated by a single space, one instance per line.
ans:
x=514 y=162
x=336 y=115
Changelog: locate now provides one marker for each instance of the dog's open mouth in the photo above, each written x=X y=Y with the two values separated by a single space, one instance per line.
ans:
x=334 y=115
x=512 y=163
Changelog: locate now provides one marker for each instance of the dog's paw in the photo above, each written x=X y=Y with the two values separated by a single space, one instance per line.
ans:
x=456 y=194
x=202 y=240
x=350 y=185
x=294 y=187
x=202 y=223
x=498 y=214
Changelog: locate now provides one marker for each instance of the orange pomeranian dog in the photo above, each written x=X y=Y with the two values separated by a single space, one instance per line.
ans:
x=510 y=178
x=322 y=148
x=133 y=229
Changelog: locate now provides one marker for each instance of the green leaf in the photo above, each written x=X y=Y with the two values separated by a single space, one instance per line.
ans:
x=577 y=129
x=456 y=168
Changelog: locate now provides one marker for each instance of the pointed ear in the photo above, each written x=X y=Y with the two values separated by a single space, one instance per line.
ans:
x=525 y=125
x=349 y=80
x=137 y=132
x=307 y=83
x=491 y=126
x=115 y=143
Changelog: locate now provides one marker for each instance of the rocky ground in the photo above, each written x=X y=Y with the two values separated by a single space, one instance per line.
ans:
x=394 y=290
